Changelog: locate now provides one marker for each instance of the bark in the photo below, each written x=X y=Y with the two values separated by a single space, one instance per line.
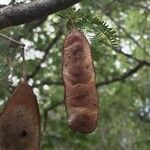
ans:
x=13 y=15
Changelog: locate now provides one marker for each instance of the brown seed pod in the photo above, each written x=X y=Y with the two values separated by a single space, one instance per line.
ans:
x=81 y=97
x=19 y=121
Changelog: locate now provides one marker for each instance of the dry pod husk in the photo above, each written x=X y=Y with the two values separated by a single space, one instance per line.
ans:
x=19 y=121
x=81 y=97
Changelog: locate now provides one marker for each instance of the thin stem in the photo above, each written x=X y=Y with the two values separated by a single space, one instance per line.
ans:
x=54 y=41
x=12 y=40
x=21 y=45
x=24 y=68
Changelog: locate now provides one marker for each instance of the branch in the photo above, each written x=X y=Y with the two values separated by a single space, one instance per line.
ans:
x=128 y=34
x=135 y=4
x=13 y=15
x=37 y=68
x=123 y=76
x=102 y=83
x=34 y=24
x=119 y=26
x=140 y=6
x=118 y=50
x=12 y=40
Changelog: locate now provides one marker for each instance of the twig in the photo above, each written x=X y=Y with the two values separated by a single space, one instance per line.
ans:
x=117 y=24
x=102 y=83
x=37 y=68
x=22 y=53
x=123 y=76
x=12 y=40
x=141 y=6
x=128 y=34
x=135 y=4
x=30 y=26
x=24 y=69
x=118 y=50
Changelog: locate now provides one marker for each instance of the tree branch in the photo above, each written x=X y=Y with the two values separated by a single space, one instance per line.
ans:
x=140 y=6
x=123 y=76
x=102 y=83
x=118 y=50
x=34 y=24
x=12 y=40
x=119 y=26
x=37 y=68
x=13 y=15
x=135 y=4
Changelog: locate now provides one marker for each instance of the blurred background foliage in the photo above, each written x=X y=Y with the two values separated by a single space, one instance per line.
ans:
x=122 y=72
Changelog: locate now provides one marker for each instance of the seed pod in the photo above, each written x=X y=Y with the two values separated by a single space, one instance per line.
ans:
x=19 y=121
x=81 y=97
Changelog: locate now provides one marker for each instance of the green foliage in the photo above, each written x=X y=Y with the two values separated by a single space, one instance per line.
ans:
x=124 y=122
x=90 y=22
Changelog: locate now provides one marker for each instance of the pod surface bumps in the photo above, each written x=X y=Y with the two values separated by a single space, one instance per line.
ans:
x=81 y=97
x=19 y=121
